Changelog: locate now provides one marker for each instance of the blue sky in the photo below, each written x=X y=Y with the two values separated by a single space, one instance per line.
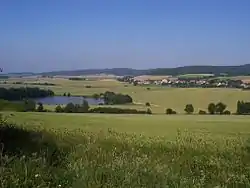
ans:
x=78 y=34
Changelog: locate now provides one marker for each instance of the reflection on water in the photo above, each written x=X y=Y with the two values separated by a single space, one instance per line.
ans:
x=62 y=100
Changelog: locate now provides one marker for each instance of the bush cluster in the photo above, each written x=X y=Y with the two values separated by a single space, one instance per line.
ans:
x=109 y=110
x=111 y=98
x=73 y=108
x=170 y=111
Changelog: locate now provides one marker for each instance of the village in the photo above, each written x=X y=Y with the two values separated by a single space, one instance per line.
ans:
x=188 y=82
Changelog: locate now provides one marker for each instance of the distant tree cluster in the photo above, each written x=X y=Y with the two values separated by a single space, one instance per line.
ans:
x=66 y=94
x=219 y=108
x=73 y=108
x=111 y=98
x=12 y=94
x=109 y=110
x=32 y=83
x=77 y=78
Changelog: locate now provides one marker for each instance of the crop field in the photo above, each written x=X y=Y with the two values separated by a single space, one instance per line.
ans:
x=90 y=150
x=155 y=125
x=159 y=97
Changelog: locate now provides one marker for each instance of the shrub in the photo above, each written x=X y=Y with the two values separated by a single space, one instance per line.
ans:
x=96 y=96
x=84 y=108
x=189 y=109
x=148 y=88
x=169 y=111
x=149 y=111
x=135 y=83
x=147 y=104
x=40 y=107
x=70 y=108
x=202 y=112
x=220 y=107
x=59 y=109
x=227 y=112
x=88 y=86
x=211 y=108
x=29 y=106
x=69 y=94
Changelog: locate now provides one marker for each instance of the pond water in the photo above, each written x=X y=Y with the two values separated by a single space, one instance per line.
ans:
x=63 y=100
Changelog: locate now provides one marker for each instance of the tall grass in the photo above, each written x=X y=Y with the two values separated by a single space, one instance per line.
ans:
x=53 y=158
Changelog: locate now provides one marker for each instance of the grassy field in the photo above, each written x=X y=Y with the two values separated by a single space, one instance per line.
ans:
x=91 y=150
x=159 y=97
x=155 y=125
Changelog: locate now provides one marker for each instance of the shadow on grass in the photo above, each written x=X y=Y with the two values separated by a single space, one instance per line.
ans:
x=18 y=141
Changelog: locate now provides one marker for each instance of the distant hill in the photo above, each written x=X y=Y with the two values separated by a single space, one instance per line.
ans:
x=241 y=70
x=216 y=70
x=114 y=71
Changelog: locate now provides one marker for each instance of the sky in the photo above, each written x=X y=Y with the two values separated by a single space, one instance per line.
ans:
x=38 y=36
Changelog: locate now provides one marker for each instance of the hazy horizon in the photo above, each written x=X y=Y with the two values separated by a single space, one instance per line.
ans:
x=69 y=35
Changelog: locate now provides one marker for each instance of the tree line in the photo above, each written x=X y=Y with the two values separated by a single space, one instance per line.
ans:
x=15 y=94
x=84 y=108
x=243 y=108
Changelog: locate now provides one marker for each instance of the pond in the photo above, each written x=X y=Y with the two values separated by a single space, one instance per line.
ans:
x=63 y=100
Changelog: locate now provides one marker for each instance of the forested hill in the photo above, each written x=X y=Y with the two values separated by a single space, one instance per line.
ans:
x=230 y=70
x=114 y=71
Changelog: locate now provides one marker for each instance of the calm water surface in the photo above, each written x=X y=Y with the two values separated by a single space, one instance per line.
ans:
x=62 y=100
